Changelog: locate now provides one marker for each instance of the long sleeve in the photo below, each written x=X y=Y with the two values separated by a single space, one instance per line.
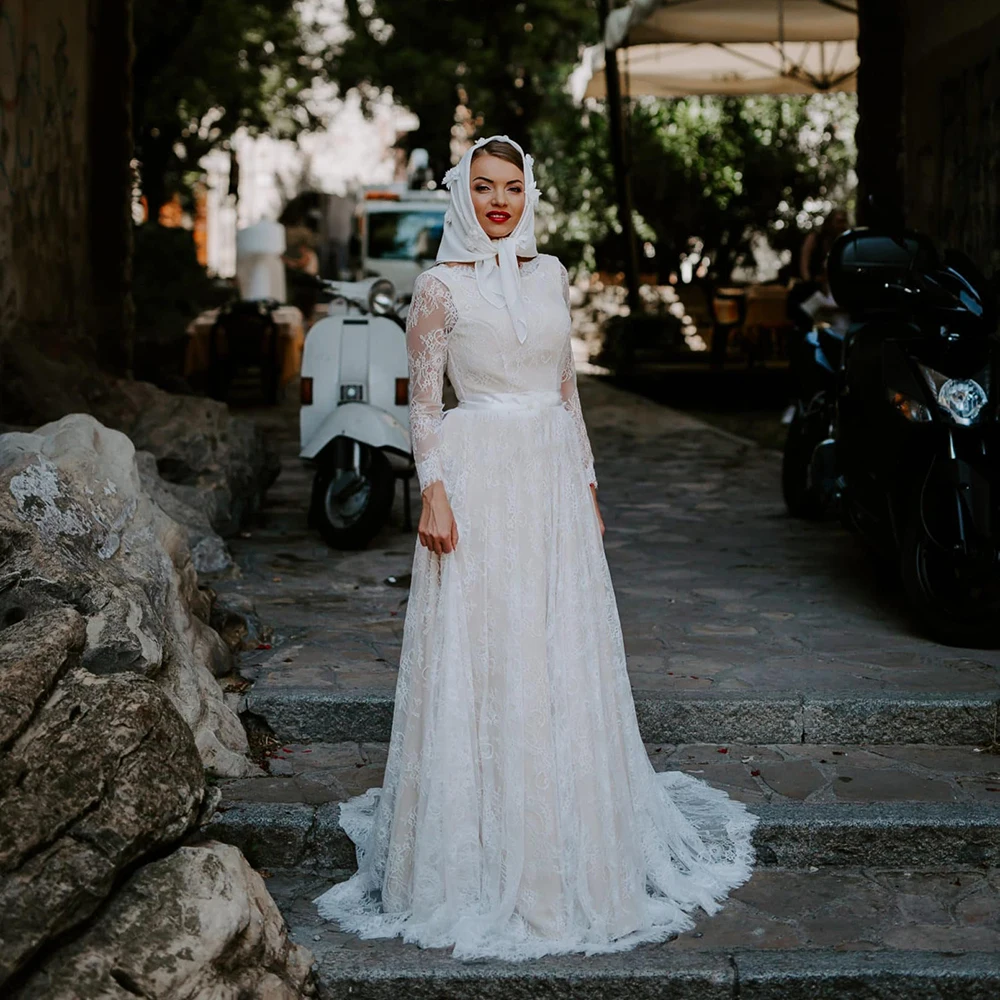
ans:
x=571 y=395
x=428 y=324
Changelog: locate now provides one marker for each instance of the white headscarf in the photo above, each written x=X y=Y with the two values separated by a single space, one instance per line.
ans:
x=465 y=239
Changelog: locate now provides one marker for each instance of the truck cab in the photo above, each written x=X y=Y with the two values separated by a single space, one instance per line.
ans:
x=399 y=232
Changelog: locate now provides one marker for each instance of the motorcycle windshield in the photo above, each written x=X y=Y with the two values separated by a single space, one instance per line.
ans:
x=968 y=285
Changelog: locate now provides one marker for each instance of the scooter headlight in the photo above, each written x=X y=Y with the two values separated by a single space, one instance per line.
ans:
x=382 y=297
x=962 y=399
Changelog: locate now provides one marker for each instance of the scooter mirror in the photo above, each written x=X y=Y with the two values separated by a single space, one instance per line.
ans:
x=382 y=298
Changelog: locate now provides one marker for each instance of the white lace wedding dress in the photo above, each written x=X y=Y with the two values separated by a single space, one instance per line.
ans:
x=520 y=815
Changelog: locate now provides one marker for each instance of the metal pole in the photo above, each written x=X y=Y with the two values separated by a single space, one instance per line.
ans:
x=623 y=191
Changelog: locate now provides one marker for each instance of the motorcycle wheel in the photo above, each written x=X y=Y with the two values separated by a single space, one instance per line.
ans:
x=349 y=508
x=801 y=499
x=953 y=600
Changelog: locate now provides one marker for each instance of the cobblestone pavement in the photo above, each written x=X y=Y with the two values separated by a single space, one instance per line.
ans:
x=718 y=590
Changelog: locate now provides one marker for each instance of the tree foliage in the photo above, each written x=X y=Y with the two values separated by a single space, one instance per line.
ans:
x=204 y=68
x=706 y=172
x=499 y=62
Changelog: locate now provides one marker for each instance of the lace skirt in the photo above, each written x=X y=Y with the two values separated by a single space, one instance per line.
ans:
x=520 y=815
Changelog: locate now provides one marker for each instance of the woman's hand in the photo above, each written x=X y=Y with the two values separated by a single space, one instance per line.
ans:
x=437 y=529
x=600 y=520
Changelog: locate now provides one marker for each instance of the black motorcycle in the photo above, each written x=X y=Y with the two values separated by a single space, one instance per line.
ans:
x=897 y=423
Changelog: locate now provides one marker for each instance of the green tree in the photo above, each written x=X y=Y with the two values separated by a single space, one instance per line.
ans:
x=204 y=68
x=706 y=172
x=712 y=172
x=498 y=63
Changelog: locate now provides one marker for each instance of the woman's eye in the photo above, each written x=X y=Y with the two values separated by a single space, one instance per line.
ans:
x=482 y=189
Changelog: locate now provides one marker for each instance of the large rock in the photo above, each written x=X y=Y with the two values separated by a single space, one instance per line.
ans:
x=235 y=618
x=95 y=774
x=192 y=508
x=100 y=782
x=197 y=924
x=77 y=528
x=196 y=441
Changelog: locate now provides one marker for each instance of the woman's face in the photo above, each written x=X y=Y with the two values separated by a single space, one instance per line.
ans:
x=497 y=195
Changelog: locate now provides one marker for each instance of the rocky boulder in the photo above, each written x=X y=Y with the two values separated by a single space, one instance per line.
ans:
x=193 y=509
x=195 y=441
x=100 y=782
x=235 y=618
x=78 y=529
x=197 y=924
x=95 y=773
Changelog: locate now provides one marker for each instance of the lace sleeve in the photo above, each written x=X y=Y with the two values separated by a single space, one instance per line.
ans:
x=570 y=393
x=428 y=324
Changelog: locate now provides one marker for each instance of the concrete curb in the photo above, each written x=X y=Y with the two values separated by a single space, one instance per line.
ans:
x=294 y=836
x=316 y=715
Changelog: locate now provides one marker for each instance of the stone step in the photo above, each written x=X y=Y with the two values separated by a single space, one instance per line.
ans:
x=831 y=805
x=331 y=716
x=880 y=934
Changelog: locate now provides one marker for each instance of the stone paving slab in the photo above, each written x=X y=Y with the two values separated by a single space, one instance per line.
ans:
x=873 y=933
x=777 y=773
x=722 y=597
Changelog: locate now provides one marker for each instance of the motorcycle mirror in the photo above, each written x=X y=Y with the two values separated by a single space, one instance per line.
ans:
x=382 y=298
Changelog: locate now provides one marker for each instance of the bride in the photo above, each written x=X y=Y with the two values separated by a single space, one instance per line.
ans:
x=520 y=815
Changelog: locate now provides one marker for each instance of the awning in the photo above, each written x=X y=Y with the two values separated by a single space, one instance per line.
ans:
x=674 y=48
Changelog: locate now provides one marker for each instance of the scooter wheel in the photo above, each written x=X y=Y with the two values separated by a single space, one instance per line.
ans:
x=952 y=600
x=801 y=499
x=350 y=507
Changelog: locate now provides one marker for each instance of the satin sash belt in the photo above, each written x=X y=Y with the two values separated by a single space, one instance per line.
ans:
x=511 y=400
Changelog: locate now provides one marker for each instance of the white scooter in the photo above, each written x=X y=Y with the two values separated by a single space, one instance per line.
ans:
x=354 y=416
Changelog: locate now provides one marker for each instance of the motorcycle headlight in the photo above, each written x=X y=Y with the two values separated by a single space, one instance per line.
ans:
x=382 y=297
x=961 y=398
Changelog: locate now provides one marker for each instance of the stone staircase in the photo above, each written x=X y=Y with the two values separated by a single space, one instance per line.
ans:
x=878 y=874
x=763 y=659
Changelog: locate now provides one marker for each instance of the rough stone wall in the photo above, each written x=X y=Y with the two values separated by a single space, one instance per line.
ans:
x=44 y=81
x=952 y=124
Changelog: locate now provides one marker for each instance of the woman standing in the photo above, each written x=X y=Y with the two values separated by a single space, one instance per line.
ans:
x=520 y=815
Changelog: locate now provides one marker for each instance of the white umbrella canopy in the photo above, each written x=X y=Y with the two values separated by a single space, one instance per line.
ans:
x=645 y=22
x=675 y=48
